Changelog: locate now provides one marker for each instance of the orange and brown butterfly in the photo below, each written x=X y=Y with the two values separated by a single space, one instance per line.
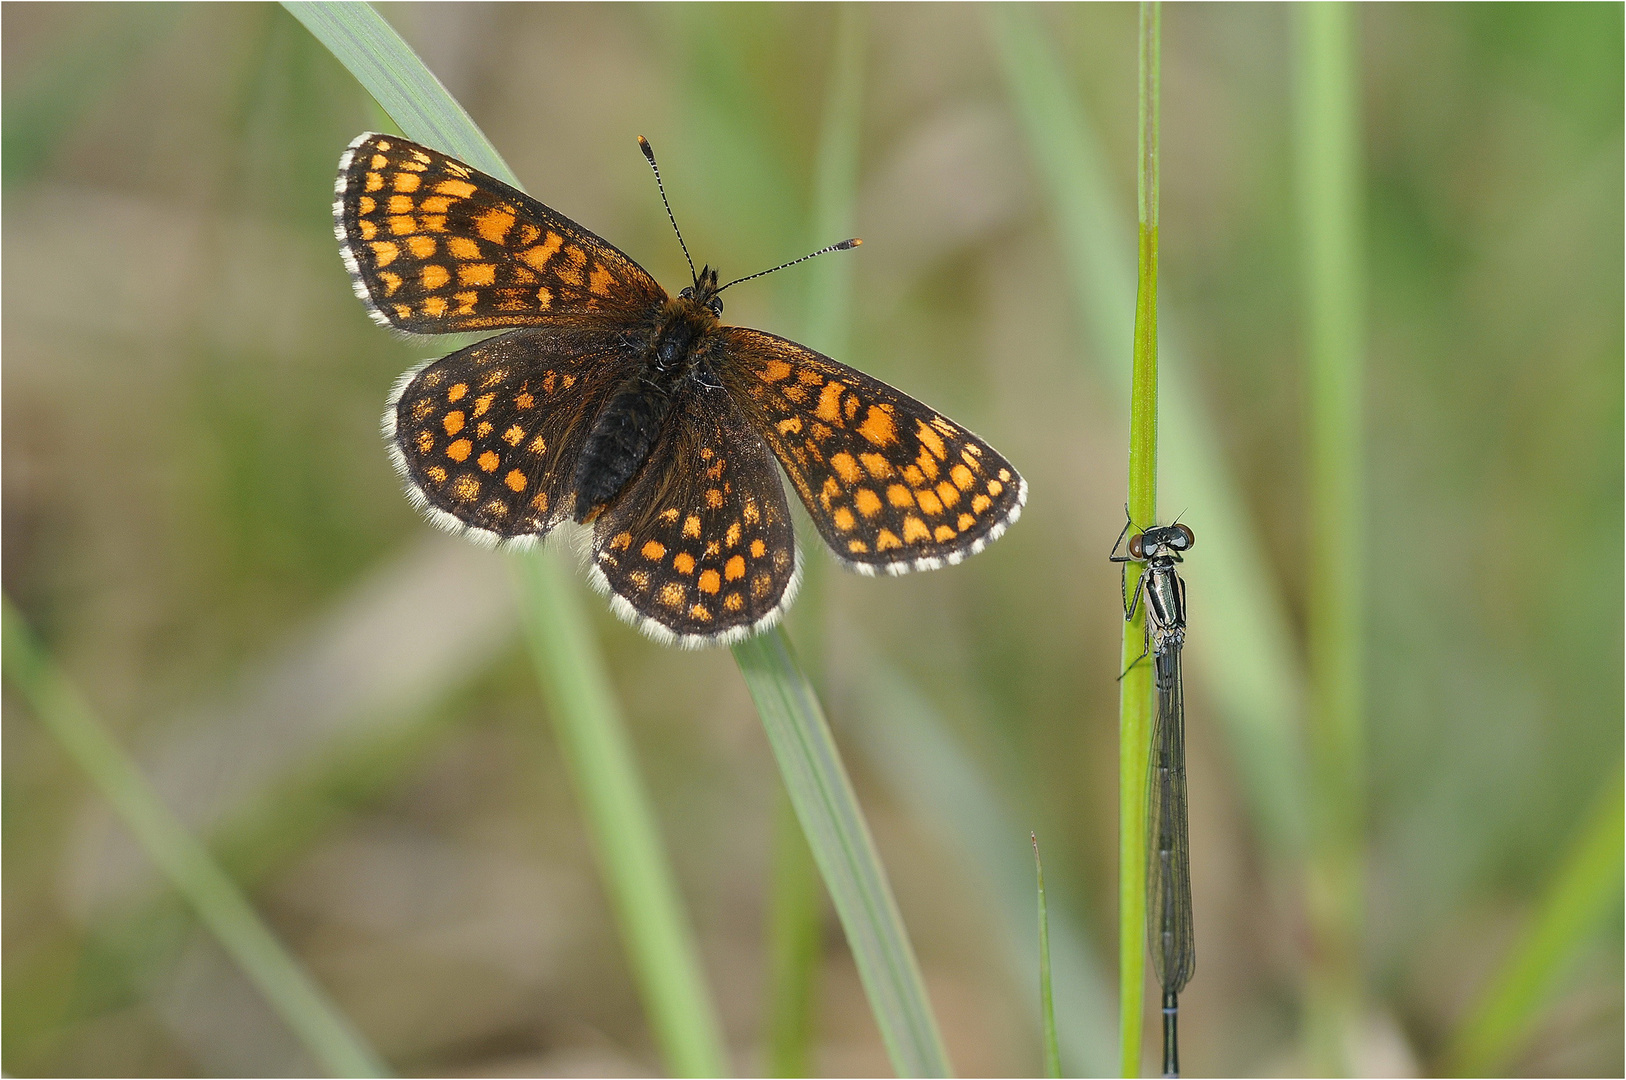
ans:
x=611 y=404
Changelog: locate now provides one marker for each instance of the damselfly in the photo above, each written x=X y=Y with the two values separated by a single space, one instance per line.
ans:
x=1168 y=866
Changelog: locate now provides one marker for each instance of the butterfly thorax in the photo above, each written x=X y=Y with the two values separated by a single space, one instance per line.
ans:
x=630 y=423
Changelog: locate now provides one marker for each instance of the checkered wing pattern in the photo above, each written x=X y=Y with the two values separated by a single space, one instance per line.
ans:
x=699 y=549
x=487 y=438
x=435 y=246
x=892 y=485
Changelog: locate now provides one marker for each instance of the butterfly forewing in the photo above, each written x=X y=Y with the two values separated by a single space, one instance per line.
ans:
x=490 y=435
x=892 y=485
x=438 y=247
x=699 y=549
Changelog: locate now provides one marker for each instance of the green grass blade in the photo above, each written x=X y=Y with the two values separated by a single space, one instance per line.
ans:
x=905 y=739
x=660 y=945
x=1327 y=148
x=1047 y=1006
x=599 y=754
x=1585 y=887
x=834 y=825
x=1241 y=643
x=216 y=899
x=795 y=946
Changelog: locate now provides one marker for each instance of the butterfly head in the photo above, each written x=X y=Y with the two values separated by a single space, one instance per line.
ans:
x=704 y=291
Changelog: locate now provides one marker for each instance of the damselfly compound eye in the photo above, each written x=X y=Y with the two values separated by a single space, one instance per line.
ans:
x=1137 y=549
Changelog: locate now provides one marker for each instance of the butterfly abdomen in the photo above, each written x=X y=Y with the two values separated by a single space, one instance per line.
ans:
x=630 y=423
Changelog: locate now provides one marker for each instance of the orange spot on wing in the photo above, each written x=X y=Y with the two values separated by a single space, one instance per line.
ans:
x=456 y=391
x=886 y=541
x=709 y=582
x=488 y=461
x=846 y=467
x=775 y=370
x=515 y=480
x=961 y=476
x=671 y=594
x=995 y=487
x=733 y=602
x=699 y=613
x=462 y=247
x=457 y=189
x=757 y=549
x=391 y=282
x=929 y=502
x=943 y=533
x=436 y=473
x=898 y=495
x=426 y=442
x=979 y=503
x=966 y=521
x=621 y=542
x=732 y=537
x=948 y=493
x=483 y=403
x=476 y=274
x=878 y=466
x=375 y=182
x=844 y=519
x=453 y=422
x=683 y=562
x=539 y=255
x=465 y=489
x=513 y=435
x=406 y=181
x=877 y=426
x=691 y=527
x=435 y=276
x=915 y=529
x=600 y=281
x=927 y=463
x=421 y=246
x=734 y=569
x=400 y=204
x=494 y=224
x=403 y=225
x=868 y=503
x=653 y=550
x=385 y=252
x=857 y=547
x=829 y=406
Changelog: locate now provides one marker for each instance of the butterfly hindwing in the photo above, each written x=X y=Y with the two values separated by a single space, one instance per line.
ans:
x=488 y=437
x=437 y=247
x=891 y=484
x=699 y=548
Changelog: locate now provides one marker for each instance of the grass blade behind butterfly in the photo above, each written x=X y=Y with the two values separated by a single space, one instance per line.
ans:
x=660 y=946
x=836 y=831
x=188 y=865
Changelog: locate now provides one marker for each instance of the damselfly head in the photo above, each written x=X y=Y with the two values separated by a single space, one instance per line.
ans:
x=1161 y=540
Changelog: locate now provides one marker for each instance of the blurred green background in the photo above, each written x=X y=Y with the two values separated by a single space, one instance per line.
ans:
x=201 y=524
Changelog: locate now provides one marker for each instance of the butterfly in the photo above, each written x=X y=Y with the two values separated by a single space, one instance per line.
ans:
x=607 y=402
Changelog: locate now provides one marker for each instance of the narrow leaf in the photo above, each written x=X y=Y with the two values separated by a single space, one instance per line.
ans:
x=213 y=895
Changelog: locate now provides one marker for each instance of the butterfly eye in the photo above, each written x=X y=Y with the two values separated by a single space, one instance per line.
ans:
x=1137 y=549
x=686 y=294
x=716 y=305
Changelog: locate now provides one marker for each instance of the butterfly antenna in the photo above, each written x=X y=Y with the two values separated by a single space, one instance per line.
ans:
x=649 y=152
x=843 y=246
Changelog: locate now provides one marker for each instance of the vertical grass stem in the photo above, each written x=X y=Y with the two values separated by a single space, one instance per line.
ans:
x=1135 y=693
